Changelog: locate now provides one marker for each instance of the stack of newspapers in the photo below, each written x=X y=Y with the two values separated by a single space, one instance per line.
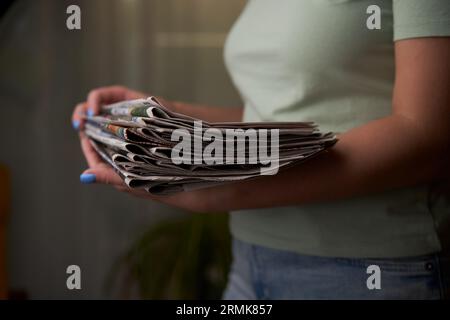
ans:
x=164 y=152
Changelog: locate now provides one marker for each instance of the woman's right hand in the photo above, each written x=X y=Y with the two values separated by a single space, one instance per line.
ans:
x=100 y=96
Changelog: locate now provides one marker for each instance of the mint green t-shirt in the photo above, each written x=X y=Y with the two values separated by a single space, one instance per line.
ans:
x=316 y=60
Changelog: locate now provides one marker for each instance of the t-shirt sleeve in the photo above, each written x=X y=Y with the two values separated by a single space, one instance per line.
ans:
x=421 y=18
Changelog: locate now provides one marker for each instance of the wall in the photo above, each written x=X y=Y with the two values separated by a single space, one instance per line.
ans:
x=45 y=70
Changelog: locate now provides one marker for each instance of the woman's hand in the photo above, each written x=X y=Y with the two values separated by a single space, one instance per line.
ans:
x=101 y=172
x=100 y=96
x=98 y=170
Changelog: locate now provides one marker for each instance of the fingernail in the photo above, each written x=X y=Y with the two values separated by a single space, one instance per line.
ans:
x=75 y=124
x=90 y=113
x=87 y=178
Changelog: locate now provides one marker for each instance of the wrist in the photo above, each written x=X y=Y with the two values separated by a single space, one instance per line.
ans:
x=176 y=106
x=171 y=105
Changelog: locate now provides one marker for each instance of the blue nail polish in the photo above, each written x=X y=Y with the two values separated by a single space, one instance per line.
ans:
x=90 y=113
x=87 y=178
x=75 y=124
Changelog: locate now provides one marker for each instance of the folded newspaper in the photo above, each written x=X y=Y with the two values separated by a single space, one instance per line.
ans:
x=164 y=152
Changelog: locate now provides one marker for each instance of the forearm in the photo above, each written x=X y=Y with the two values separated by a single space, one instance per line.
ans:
x=384 y=154
x=407 y=148
x=208 y=113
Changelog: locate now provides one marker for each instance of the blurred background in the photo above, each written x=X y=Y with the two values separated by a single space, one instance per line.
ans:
x=125 y=247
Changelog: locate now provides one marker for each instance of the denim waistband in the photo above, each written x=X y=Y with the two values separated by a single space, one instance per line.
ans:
x=264 y=273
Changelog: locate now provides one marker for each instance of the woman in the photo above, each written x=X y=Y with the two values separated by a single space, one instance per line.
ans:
x=312 y=231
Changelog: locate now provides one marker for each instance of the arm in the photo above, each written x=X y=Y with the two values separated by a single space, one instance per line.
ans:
x=406 y=148
x=210 y=114
x=205 y=113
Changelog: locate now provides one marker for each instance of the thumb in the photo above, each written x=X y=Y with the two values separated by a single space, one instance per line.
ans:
x=103 y=175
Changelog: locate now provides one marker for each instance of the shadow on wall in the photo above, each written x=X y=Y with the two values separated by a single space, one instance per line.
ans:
x=171 y=48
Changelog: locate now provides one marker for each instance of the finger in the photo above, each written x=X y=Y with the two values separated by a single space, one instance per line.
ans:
x=77 y=116
x=93 y=159
x=135 y=192
x=101 y=174
x=98 y=97
x=122 y=188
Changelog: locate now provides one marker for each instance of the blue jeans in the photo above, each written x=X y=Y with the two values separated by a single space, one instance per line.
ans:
x=263 y=273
